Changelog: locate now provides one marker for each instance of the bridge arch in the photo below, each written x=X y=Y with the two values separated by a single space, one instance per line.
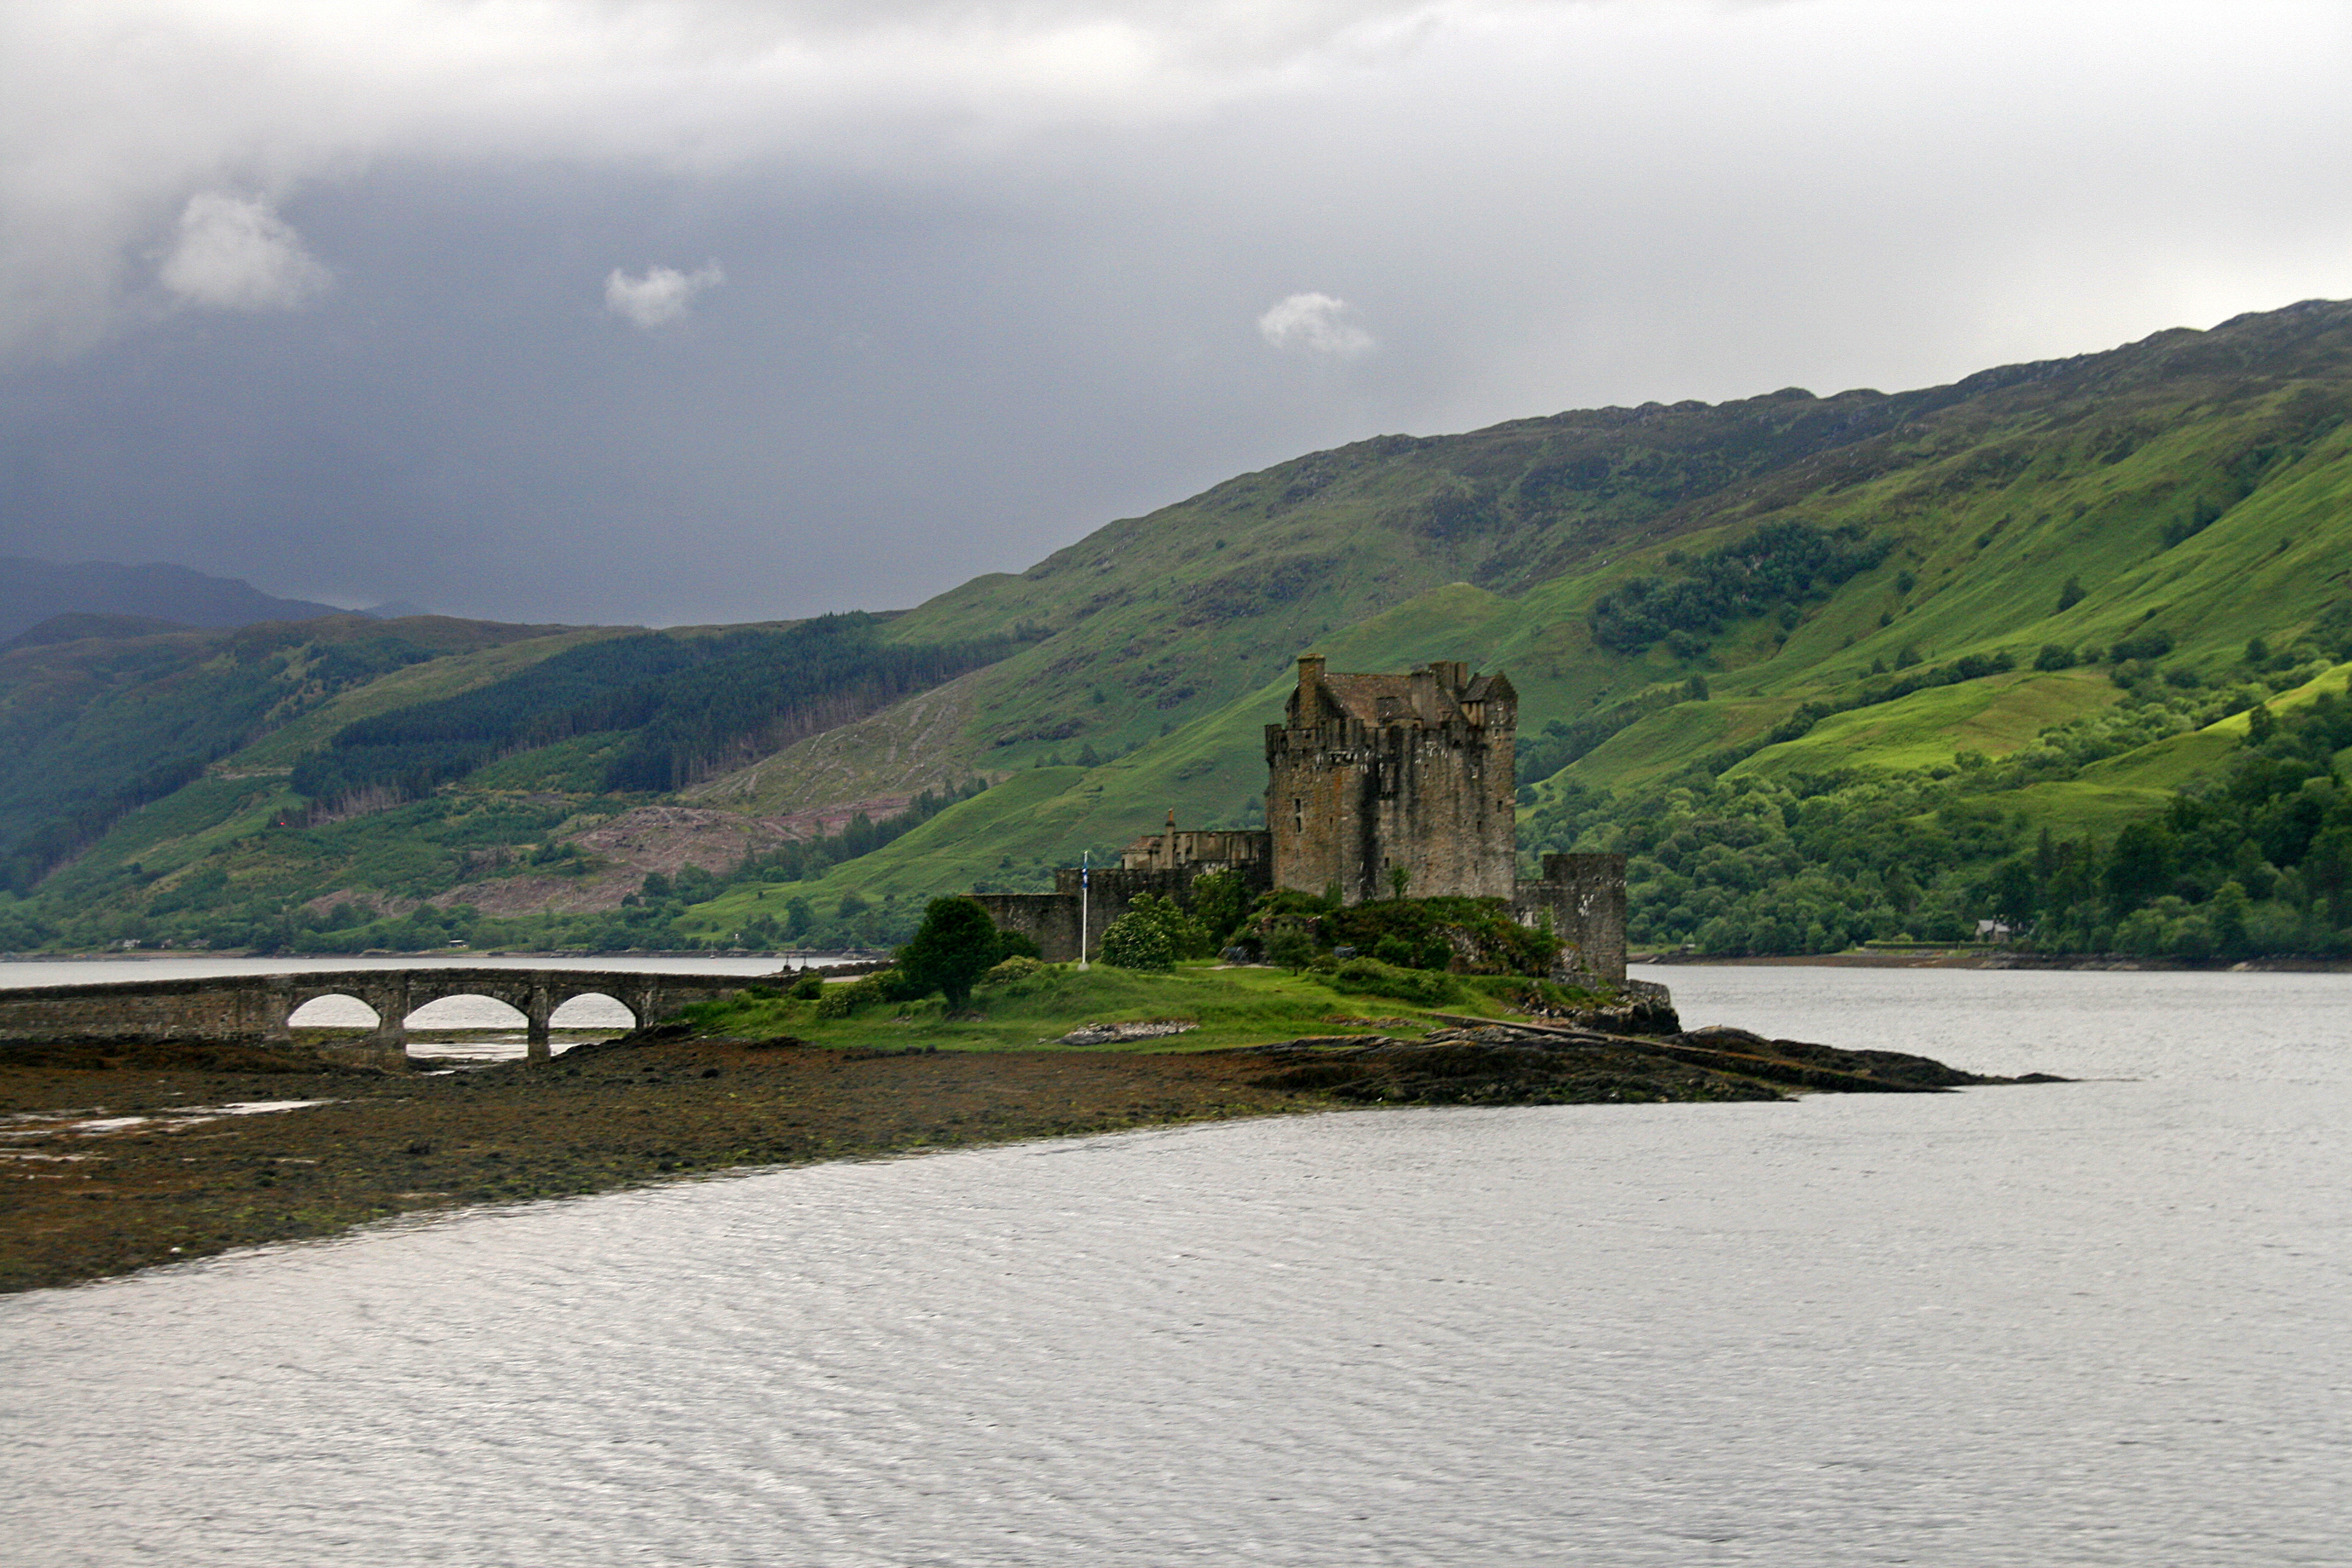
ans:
x=335 y=1010
x=449 y=1012
x=593 y=1010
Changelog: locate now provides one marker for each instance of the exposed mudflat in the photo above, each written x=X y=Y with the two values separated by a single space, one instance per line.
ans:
x=114 y=1158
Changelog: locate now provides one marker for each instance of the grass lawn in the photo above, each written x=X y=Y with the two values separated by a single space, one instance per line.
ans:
x=1230 y=1007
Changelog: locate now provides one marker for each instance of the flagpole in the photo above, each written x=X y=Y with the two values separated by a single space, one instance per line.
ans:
x=1086 y=883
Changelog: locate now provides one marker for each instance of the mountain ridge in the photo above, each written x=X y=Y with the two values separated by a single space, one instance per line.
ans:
x=33 y=590
x=2191 y=484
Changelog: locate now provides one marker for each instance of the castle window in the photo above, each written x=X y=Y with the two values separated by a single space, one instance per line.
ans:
x=1298 y=815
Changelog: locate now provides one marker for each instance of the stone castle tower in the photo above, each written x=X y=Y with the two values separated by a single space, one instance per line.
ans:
x=1368 y=773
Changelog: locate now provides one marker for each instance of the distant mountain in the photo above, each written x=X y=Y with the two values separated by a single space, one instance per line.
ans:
x=79 y=625
x=1870 y=647
x=32 y=591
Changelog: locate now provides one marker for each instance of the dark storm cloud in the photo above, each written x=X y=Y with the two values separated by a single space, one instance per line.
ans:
x=681 y=311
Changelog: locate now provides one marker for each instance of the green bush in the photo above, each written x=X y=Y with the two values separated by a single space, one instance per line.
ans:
x=882 y=986
x=1289 y=943
x=1474 y=935
x=1014 y=969
x=1370 y=978
x=1136 y=941
x=1187 y=937
x=1534 y=996
x=1221 y=901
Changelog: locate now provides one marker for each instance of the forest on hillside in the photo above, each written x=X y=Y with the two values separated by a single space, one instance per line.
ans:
x=2257 y=861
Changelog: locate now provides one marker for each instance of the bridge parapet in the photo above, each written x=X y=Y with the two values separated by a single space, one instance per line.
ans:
x=227 y=1008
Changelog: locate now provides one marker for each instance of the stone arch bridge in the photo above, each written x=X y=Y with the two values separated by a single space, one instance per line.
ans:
x=256 y=1008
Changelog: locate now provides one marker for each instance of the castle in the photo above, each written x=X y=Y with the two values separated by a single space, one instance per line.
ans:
x=1373 y=782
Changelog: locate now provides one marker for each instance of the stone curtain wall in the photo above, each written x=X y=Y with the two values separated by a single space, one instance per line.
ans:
x=1051 y=920
x=1584 y=895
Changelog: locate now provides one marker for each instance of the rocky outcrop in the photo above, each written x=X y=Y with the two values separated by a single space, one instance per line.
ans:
x=1551 y=1064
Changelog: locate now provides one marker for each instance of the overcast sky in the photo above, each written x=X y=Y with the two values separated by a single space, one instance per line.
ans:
x=663 y=311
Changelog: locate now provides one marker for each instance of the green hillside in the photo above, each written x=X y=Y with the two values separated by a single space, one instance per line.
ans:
x=2042 y=596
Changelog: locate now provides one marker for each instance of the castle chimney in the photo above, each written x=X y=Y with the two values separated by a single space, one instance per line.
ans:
x=1424 y=693
x=1310 y=671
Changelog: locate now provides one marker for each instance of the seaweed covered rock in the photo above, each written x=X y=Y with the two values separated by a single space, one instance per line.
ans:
x=1467 y=1070
x=1553 y=1064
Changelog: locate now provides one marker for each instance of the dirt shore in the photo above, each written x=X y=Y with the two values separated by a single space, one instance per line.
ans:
x=114 y=1157
x=107 y=1168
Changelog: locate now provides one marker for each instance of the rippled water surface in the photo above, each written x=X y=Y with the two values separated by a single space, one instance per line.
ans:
x=2100 y=1322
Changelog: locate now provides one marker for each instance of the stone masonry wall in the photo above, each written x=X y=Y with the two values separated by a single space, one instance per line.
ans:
x=1345 y=801
x=1051 y=920
x=1584 y=896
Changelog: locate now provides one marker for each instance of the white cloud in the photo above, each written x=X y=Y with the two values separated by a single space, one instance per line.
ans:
x=662 y=295
x=115 y=112
x=233 y=253
x=1314 y=323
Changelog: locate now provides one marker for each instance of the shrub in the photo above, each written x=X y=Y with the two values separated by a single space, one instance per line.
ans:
x=1014 y=969
x=2054 y=656
x=1135 y=940
x=1369 y=976
x=809 y=987
x=1221 y=900
x=1477 y=935
x=1187 y=937
x=882 y=986
x=1290 y=943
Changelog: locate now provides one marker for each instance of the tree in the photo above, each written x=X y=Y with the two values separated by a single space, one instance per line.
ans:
x=1220 y=901
x=2140 y=867
x=1400 y=879
x=2070 y=594
x=955 y=946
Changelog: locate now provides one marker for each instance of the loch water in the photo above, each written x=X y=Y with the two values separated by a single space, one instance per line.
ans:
x=2105 y=1321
